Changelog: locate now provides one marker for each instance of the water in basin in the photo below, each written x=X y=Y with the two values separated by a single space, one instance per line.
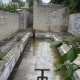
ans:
x=38 y=55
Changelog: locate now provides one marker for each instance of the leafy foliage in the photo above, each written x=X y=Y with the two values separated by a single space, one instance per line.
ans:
x=56 y=43
x=31 y=5
x=8 y=7
x=63 y=58
x=69 y=71
x=73 y=5
x=18 y=38
x=69 y=57
x=21 y=3
x=71 y=54
x=57 y=1
x=59 y=67
x=1 y=55
x=68 y=40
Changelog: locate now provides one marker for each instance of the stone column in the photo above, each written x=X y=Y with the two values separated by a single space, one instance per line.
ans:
x=25 y=20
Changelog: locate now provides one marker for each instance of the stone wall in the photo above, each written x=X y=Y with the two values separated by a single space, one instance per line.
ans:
x=74 y=24
x=26 y=19
x=31 y=19
x=10 y=59
x=9 y=24
x=50 y=17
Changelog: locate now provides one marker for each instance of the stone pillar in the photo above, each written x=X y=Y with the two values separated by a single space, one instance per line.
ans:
x=35 y=5
x=25 y=22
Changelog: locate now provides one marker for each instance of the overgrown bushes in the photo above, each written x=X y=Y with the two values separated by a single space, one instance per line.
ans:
x=73 y=5
x=8 y=7
x=1 y=55
x=31 y=5
x=18 y=38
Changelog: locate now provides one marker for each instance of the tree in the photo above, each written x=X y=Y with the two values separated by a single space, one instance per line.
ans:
x=73 y=5
x=31 y=5
x=21 y=3
x=57 y=1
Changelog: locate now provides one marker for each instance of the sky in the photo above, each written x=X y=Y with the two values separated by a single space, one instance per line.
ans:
x=6 y=1
x=23 y=0
x=46 y=1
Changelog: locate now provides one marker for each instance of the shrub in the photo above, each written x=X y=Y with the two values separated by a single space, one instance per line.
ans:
x=68 y=58
x=8 y=7
x=73 y=5
x=19 y=38
x=31 y=5
x=1 y=55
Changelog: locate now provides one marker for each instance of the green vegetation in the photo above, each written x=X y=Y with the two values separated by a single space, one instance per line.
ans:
x=68 y=58
x=57 y=1
x=73 y=5
x=1 y=55
x=8 y=7
x=18 y=38
x=31 y=5
x=21 y=3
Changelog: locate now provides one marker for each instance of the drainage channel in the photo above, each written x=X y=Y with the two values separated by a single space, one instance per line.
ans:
x=38 y=57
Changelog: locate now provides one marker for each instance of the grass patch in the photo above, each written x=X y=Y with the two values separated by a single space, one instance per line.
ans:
x=19 y=38
x=1 y=55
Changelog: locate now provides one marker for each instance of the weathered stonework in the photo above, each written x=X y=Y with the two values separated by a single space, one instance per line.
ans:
x=9 y=60
x=26 y=19
x=63 y=49
x=74 y=24
x=49 y=17
x=9 y=24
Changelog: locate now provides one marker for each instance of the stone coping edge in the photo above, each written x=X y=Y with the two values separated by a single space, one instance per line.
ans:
x=63 y=49
x=10 y=59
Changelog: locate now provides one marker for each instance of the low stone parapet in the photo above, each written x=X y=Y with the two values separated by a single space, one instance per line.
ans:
x=63 y=49
x=10 y=59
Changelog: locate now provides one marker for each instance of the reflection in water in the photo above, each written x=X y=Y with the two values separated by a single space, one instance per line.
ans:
x=38 y=54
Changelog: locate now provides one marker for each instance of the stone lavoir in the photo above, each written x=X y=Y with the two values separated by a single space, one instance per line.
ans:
x=38 y=62
x=37 y=55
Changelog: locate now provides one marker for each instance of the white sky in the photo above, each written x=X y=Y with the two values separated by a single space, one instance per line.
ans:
x=6 y=1
x=46 y=1
x=23 y=0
